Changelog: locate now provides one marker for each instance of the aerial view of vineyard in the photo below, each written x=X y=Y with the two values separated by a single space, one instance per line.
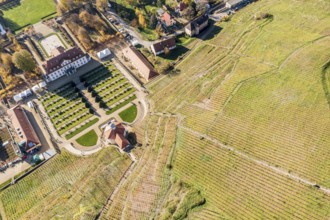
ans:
x=255 y=115
x=239 y=129
x=67 y=187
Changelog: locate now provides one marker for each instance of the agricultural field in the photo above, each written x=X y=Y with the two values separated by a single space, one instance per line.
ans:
x=68 y=109
x=27 y=12
x=67 y=186
x=146 y=188
x=109 y=87
x=254 y=108
x=239 y=131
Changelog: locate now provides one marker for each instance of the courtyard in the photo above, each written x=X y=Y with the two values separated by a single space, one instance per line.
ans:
x=50 y=43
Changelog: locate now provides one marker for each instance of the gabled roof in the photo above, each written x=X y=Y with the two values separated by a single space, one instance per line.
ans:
x=121 y=141
x=116 y=134
x=22 y=124
x=103 y=53
x=166 y=17
x=116 y=128
x=159 y=46
x=197 y=22
x=54 y=63
x=140 y=62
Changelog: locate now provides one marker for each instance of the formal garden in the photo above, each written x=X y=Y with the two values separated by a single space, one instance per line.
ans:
x=109 y=87
x=68 y=110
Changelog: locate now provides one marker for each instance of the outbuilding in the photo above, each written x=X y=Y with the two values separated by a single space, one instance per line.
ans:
x=233 y=3
x=103 y=53
x=159 y=47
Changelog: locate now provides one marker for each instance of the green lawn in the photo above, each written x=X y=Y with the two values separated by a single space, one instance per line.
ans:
x=28 y=12
x=129 y=114
x=88 y=139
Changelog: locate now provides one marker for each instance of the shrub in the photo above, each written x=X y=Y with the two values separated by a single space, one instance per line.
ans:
x=262 y=15
x=103 y=104
x=97 y=99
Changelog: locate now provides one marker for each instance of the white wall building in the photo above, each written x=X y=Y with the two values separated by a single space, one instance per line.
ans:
x=66 y=63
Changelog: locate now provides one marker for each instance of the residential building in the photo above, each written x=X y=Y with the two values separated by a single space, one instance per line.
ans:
x=103 y=53
x=115 y=133
x=159 y=47
x=140 y=62
x=197 y=25
x=29 y=140
x=167 y=19
x=233 y=3
x=180 y=8
x=64 y=62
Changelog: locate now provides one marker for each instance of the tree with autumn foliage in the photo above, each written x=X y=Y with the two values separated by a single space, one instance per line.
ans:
x=23 y=60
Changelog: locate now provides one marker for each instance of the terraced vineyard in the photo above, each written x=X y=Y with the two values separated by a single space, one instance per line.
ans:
x=109 y=87
x=67 y=108
x=240 y=131
x=68 y=187
x=145 y=190
x=255 y=115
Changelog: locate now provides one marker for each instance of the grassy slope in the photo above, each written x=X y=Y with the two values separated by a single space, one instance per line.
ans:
x=67 y=186
x=129 y=114
x=257 y=87
x=88 y=139
x=29 y=12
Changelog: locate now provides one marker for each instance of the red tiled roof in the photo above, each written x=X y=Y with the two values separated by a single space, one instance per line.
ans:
x=159 y=46
x=20 y=121
x=140 y=62
x=54 y=63
x=117 y=135
x=166 y=18
x=121 y=141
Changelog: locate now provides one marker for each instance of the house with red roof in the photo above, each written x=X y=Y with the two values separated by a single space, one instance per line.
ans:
x=24 y=129
x=115 y=133
x=140 y=62
x=167 y=19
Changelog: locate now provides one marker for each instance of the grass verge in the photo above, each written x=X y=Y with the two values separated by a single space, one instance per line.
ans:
x=129 y=114
x=89 y=139
x=120 y=105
